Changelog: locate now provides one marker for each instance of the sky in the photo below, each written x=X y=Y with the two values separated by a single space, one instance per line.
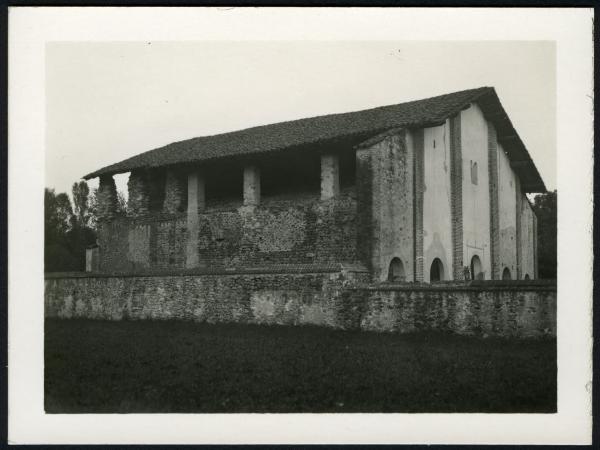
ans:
x=111 y=100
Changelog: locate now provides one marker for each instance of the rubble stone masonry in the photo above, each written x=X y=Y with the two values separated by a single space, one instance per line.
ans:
x=299 y=229
x=328 y=298
x=107 y=199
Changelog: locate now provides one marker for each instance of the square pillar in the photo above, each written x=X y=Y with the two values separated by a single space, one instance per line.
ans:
x=173 y=192
x=196 y=204
x=251 y=186
x=330 y=176
x=107 y=198
x=139 y=197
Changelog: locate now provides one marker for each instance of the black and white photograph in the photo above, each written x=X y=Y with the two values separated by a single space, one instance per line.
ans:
x=301 y=226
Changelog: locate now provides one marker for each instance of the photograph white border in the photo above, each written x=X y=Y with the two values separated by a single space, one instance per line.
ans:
x=29 y=31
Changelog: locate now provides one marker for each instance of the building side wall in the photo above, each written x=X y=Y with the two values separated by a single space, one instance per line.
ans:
x=507 y=215
x=385 y=170
x=527 y=240
x=291 y=229
x=476 y=194
x=437 y=225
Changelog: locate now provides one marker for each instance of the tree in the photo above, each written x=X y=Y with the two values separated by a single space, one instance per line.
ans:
x=58 y=213
x=58 y=218
x=67 y=234
x=544 y=207
x=81 y=192
x=71 y=228
x=93 y=209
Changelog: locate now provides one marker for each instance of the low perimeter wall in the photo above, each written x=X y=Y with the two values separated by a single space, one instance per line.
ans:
x=327 y=298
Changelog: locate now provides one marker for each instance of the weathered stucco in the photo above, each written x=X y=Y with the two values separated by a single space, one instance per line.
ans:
x=527 y=235
x=385 y=173
x=330 y=176
x=507 y=256
x=326 y=299
x=437 y=230
x=476 y=198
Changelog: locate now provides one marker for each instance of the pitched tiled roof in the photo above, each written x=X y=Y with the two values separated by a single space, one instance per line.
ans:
x=352 y=126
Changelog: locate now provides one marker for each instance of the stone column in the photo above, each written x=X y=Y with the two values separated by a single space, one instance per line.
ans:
x=251 y=186
x=139 y=196
x=330 y=176
x=196 y=205
x=173 y=192
x=107 y=198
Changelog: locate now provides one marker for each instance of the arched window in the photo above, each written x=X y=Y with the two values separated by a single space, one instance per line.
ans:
x=527 y=276
x=476 y=268
x=396 y=272
x=506 y=274
x=436 y=273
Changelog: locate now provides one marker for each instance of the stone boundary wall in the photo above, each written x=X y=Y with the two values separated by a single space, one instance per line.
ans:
x=326 y=298
x=484 y=308
x=291 y=298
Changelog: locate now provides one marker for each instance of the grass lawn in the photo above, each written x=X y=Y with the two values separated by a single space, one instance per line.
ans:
x=145 y=366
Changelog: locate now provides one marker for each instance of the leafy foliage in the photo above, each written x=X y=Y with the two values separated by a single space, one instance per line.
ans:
x=545 y=209
x=71 y=227
x=81 y=193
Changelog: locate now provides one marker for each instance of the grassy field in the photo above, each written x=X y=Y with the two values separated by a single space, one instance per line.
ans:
x=104 y=367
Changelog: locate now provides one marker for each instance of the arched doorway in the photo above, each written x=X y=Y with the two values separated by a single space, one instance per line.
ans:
x=506 y=274
x=436 y=272
x=527 y=276
x=396 y=271
x=476 y=268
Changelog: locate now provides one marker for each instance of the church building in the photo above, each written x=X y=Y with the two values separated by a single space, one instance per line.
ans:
x=427 y=191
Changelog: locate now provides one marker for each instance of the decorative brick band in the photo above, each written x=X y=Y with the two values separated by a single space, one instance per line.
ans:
x=419 y=184
x=364 y=194
x=519 y=207
x=473 y=285
x=265 y=270
x=456 y=178
x=494 y=207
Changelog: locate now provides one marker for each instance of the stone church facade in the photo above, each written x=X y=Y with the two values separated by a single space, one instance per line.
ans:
x=396 y=218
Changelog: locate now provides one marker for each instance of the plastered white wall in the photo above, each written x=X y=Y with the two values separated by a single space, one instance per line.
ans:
x=507 y=209
x=527 y=236
x=476 y=197
x=437 y=227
